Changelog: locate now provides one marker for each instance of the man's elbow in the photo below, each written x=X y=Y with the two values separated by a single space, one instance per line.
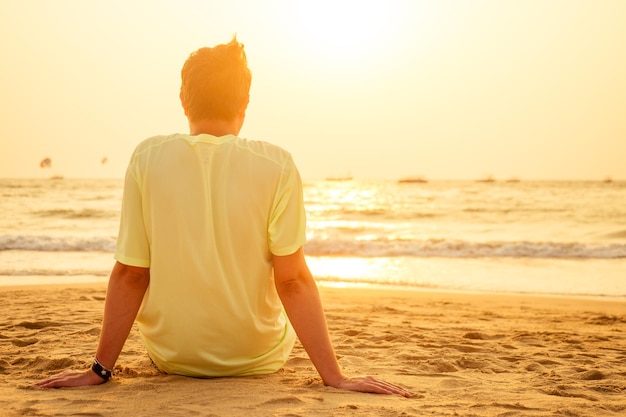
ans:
x=295 y=285
x=132 y=275
x=289 y=287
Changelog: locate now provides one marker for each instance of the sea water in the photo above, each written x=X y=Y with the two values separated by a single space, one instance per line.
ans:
x=536 y=237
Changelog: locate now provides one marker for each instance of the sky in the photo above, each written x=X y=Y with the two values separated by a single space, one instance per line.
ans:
x=533 y=89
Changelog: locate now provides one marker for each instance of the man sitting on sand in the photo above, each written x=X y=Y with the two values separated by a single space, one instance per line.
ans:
x=209 y=254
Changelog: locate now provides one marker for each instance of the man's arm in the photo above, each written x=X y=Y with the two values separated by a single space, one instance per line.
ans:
x=298 y=292
x=125 y=292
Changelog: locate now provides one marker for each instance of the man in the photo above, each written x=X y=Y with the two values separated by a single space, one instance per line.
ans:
x=209 y=254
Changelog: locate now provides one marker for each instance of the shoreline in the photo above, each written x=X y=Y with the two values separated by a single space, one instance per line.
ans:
x=92 y=280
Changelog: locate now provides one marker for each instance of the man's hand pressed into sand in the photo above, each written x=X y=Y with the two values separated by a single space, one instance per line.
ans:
x=372 y=385
x=71 y=379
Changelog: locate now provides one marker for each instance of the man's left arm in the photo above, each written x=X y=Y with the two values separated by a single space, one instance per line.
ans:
x=298 y=292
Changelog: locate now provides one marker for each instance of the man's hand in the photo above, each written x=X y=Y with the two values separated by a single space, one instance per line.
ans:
x=371 y=384
x=71 y=379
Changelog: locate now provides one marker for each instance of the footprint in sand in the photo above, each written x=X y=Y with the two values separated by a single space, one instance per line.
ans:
x=481 y=336
x=288 y=400
x=604 y=320
x=466 y=348
x=536 y=367
x=24 y=342
x=592 y=375
x=529 y=340
x=37 y=325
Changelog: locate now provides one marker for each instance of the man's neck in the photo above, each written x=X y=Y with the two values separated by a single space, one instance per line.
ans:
x=214 y=127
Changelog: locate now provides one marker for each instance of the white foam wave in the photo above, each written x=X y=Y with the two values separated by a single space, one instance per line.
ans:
x=43 y=272
x=363 y=248
x=463 y=249
x=57 y=243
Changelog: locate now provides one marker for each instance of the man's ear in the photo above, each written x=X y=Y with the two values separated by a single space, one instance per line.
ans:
x=244 y=106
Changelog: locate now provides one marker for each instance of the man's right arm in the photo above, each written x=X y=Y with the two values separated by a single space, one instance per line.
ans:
x=127 y=286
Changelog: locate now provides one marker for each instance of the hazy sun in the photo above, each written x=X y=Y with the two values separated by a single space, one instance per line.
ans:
x=341 y=32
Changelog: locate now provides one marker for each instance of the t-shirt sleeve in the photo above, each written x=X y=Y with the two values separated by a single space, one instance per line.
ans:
x=132 y=246
x=287 y=225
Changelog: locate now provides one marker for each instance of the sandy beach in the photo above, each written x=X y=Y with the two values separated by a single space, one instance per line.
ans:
x=459 y=354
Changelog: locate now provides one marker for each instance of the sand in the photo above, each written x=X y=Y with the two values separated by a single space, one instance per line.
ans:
x=460 y=354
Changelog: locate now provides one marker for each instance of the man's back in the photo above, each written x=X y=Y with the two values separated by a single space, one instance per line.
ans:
x=212 y=210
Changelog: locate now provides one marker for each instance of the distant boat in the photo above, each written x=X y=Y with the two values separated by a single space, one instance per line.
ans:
x=346 y=178
x=513 y=179
x=57 y=177
x=488 y=178
x=608 y=180
x=412 y=180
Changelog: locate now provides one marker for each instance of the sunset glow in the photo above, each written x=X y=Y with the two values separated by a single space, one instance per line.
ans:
x=381 y=89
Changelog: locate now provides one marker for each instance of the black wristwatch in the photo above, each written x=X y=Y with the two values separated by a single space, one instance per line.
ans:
x=101 y=371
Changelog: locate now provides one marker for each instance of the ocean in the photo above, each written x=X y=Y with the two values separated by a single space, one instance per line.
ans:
x=565 y=238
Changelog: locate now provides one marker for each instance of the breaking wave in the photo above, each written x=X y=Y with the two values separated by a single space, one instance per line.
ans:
x=57 y=244
x=363 y=248
x=463 y=249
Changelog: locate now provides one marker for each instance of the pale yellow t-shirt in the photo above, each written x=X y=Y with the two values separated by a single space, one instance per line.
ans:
x=205 y=214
